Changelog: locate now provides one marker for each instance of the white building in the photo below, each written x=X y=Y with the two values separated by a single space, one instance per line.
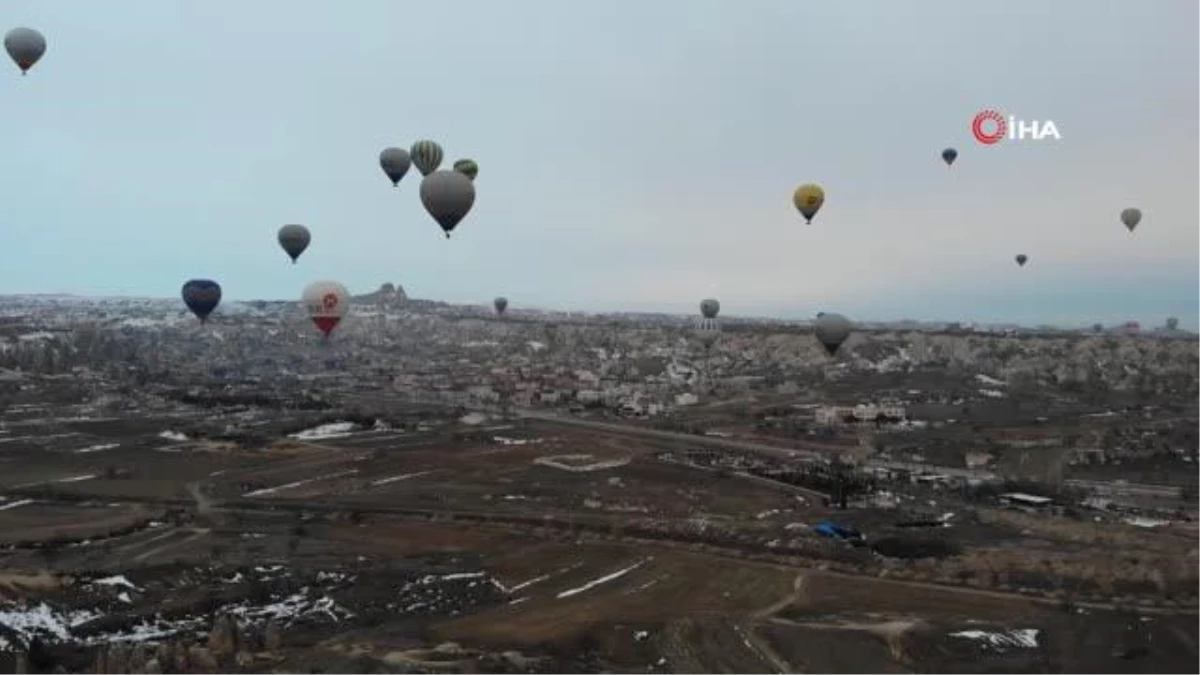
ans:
x=863 y=413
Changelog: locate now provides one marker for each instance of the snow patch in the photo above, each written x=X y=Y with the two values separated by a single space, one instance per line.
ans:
x=602 y=580
x=1020 y=637
x=326 y=431
x=403 y=476
x=97 y=448
x=289 y=486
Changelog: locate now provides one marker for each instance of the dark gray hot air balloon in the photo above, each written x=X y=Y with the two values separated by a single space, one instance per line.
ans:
x=201 y=296
x=949 y=155
x=294 y=239
x=1022 y=259
x=395 y=163
x=832 y=330
x=25 y=46
x=426 y=156
x=709 y=308
x=1172 y=323
x=501 y=304
x=1131 y=218
x=448 y=197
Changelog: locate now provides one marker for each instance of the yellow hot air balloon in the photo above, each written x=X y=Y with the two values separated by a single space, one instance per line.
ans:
x=808 y=199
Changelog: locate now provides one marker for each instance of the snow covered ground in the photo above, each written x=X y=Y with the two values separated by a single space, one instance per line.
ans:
x=1019 y=637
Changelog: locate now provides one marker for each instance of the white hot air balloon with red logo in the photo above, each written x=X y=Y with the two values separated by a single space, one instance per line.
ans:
x=326 y=303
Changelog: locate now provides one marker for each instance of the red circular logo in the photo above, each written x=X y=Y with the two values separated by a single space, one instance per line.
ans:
x=329 y=301
x=989 y=127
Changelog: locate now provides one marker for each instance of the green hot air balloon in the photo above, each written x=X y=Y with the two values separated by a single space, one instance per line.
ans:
x=426 y=156
x=467 y=167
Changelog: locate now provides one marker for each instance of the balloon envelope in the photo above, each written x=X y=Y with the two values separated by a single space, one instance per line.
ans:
x=448 y=197
x=500 y=304
x=426 y=156
x=709 y=308
x=293 y=239
x=326 y=303
x=201 y=296
x=808 y=199
x=949 y=155
x=395 y=163
x=832 y=330
x=25 y=46
x=1131 y=218
x=467 y=167
x=1022 y=259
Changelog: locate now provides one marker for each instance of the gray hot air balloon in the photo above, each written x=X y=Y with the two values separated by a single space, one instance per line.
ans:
x=1022 y=259
x=709 y=308
x=448 y=197
x=1131 y=218
x=25 y=46
x=949 y=155
x=426 y=156
x=1172 y=323
x=832 y=330
x=395 y=163
x=501 y=304
x=706 y=331
x=294 y=239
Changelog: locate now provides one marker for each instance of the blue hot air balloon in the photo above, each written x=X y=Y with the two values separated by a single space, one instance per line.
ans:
x=202 y=296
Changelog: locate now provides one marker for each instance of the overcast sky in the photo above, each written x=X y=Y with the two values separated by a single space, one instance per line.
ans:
x=633 y=155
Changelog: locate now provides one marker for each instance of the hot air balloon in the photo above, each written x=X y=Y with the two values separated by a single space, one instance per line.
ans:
x=448 y=197
x=1022 y=259
x=501 y=304
x=395 y=163
x=1172 y=323
x=706 y=331
x=808 y=199
x=201 y=296
x=327 y=303
x=467 y=167
x=426 y=156
x=25 y=46
x=293 y=239
x=709 y=308
x=1131 y=218
x=832 y=330
x=1098 y=327
x=949 y=155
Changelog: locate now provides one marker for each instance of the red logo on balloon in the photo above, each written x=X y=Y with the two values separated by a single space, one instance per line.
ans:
x=329 y=301
x=980 y=127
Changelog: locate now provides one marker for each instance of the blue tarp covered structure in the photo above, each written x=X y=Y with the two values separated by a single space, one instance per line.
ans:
x=835 y=531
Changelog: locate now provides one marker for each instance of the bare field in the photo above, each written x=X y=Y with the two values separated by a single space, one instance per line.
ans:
x=365 y=522
x=659 y=585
